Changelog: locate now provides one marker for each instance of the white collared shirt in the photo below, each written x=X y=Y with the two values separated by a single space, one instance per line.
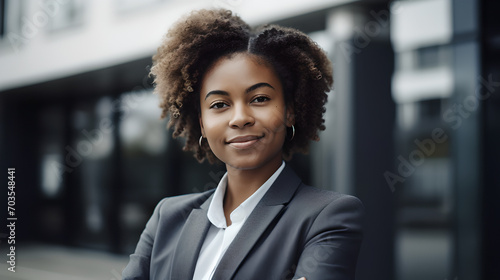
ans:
x=220 y=235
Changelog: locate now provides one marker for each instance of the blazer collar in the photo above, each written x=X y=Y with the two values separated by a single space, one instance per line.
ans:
x=190 y=242
x=268 y=209
x=283 y=189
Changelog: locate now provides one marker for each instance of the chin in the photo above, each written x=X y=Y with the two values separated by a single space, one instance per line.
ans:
x=249 y=162
x=243 y=165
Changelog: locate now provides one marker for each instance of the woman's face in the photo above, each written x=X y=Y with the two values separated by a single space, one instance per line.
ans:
x=243 y=112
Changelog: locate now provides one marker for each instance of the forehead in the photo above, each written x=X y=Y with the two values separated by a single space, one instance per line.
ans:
x=239 y=69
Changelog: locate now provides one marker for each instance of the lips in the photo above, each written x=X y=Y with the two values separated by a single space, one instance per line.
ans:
x=243 y=142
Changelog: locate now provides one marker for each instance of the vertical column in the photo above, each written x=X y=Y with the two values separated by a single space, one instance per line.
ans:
x=363 y=123
x=490 y=53
x=467 y=135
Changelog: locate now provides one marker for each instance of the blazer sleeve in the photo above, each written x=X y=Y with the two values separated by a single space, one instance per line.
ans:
x=333 y=242
x=138 y=266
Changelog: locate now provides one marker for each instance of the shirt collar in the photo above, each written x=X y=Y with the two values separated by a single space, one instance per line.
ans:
x=216 y=211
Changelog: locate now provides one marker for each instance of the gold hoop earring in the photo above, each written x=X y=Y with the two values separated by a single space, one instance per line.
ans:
x=293 y=132
x=199 y=141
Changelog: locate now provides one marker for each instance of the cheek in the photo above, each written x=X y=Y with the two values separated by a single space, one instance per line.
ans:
x=212 y=127
x=276 y=120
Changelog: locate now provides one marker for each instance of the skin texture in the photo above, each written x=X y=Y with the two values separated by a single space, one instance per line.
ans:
x=244 y=118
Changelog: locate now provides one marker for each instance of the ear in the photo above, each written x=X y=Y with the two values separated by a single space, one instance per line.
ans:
x=290 y=116
x=201 y=126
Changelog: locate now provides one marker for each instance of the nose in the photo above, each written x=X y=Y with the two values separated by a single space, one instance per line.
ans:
x=242 y=116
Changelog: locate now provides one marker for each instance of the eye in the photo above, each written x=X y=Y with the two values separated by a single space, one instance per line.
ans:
x=218 y=105
x=260 y=99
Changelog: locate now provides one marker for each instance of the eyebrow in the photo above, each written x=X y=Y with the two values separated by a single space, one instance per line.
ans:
x=248 y=90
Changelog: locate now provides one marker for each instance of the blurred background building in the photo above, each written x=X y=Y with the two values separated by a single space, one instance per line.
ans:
x=413 y=127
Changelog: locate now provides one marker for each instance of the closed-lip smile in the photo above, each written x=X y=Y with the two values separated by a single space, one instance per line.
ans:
x=243 y=142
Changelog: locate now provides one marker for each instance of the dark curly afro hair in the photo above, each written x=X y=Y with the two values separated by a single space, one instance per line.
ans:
x=195 y=42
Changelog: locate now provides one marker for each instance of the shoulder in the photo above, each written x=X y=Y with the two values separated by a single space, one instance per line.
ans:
x=182 y=203
x=321 y=198
x=173 y=211
x=325 y=208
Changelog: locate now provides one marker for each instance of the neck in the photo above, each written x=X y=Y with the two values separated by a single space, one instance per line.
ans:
x=242 y=183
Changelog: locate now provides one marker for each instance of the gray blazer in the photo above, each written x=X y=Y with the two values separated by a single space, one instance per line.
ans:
x=294 y=231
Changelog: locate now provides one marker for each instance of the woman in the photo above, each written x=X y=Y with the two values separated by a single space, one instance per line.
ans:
x=250 y=99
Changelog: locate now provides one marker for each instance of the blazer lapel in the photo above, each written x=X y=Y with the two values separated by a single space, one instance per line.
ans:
x=190 y=242
x=269 y=208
